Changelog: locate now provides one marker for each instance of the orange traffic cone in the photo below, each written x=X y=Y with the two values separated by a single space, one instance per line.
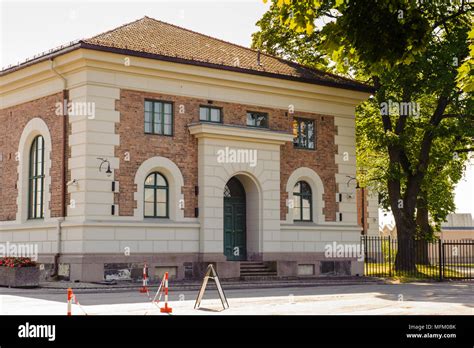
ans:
x=144 y=288
x=69 y=301
x=166 y=309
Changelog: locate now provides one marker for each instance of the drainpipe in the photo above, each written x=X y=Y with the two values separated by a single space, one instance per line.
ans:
x=58 y=248
x=362 y=191
x=65 y=123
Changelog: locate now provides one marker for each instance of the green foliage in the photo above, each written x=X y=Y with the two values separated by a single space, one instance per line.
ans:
x=466 y=70
x=388 y=251
x=277 y=40
x=377 y=35
x=412 y=51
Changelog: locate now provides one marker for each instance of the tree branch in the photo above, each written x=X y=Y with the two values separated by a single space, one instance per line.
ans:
x=454 y=15
x=414 y=181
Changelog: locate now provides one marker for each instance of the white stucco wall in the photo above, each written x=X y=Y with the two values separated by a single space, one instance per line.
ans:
x=373 y=214
x=97 y=78
x=264 y=178
x=91 y=138
x=346 y=164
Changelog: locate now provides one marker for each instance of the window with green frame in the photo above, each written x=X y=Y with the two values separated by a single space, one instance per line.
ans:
x=302 y=197
x=36 y=179
x=210 y=114
x=303 y=133
x=158 y=117
x=156 y=196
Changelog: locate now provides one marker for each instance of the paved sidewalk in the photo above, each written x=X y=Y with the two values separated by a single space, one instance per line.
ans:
x=228 y=284
x=362 y=299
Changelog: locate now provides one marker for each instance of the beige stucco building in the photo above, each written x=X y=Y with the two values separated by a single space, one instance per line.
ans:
x=96 y=219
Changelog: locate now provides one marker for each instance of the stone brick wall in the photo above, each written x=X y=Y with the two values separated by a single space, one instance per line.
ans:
x=12 y=122
x=321 y=160
x=182 y=147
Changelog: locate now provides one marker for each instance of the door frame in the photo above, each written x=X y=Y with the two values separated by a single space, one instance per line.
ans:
x=233 y=202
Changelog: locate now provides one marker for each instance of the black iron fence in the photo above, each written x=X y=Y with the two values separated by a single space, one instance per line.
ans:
x=438 y=259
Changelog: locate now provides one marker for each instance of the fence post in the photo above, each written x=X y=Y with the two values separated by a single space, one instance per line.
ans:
x=366 y=262
x=389 y=256
x=440 y=256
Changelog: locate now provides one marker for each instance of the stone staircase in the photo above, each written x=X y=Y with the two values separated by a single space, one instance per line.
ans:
x=256 y=270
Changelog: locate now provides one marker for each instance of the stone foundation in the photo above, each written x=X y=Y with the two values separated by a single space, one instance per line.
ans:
x=97 y=268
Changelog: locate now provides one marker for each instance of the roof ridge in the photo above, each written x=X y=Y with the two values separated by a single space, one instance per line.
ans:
x=201 y=34
x=111 y=30
x=253 y=50
x=116 y=41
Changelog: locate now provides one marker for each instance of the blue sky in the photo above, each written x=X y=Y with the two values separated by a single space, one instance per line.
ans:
x=31 y=27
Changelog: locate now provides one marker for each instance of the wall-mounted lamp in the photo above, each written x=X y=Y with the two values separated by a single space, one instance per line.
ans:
x=73 y=182
x=363 y=220
x=104 y=161
x=350 y=180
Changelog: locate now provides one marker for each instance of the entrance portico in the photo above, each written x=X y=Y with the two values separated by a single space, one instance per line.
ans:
x=260 y=182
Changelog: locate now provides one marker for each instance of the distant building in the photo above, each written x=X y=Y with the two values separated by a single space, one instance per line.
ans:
x=388 y=230
x=458 y=227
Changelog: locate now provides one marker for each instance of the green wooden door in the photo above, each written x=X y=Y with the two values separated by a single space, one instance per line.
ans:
x=235 y=243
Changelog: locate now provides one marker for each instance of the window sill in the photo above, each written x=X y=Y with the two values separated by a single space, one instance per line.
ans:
x=163 y=135
x=303 y=148
x=214 y=122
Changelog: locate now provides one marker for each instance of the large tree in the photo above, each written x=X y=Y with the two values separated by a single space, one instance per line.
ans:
x=418 y=126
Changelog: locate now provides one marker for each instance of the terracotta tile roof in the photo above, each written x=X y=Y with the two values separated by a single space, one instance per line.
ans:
x=152 y=38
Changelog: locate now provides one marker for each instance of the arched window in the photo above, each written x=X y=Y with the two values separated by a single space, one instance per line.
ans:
x=36 y=179
x=302 y=197
x=156 y=196
x=234 y=189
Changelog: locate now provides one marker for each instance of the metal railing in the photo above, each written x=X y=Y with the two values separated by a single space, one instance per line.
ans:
x=437 y=259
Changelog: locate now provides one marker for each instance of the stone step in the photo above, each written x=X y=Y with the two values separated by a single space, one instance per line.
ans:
x=248 y=263
x=260 y=269
x=246 y=270
x=256 y=270
x=254 y=266
x=259 y=277
x=250 y=274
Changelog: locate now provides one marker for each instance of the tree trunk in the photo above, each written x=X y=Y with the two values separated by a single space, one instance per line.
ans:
x=404 y=214
x=406 y=251
x=404 y=204
x=422 y=219
x=425 y=231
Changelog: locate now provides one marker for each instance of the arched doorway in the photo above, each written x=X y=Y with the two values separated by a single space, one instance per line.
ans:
x=235 y=231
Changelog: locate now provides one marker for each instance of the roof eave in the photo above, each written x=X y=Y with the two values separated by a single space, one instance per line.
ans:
x=40 y=59
x=360 y=87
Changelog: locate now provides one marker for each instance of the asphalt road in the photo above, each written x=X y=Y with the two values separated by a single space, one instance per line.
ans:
x=458 y=293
